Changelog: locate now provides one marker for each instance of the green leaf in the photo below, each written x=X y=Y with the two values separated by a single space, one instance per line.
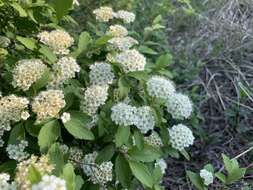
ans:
x=21 y=11
x=84 y=40
x=157 y=174
x=76 y=126
x=185 y=154
x=147 y=50
x=17 y=133
x=79 y=182
x=105 y=154
x=235 y=175
x=221 y=177
x=164 y=61
x=147 y=154
x=48 y=134
x=27 y=42
x=141 y=172
x=209 y=168
x=102 y=40
x=138 y=138
x=139 y=75
x=123 y=172
x=230 y=165
x=122 y=135
x=32 y=129
x=56 y=158
x=124 y=87
x=8 y=167
x=43 y=81
x=61 y=7
x=34 y=175
x=69 y=175
x=196 y=180
x=48 y=53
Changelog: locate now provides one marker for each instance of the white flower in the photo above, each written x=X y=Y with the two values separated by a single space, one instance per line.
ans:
x=145 y=120
x=162 y=164
x=126 y=16
x=180 y=137
x=101 y=73
x=48 y=104
x=64 y=69
x=4 y=184
x=206 y=176
x=131 y=60
x=58 y=40
x=123 y=114
x=93 y=98
x=122 y=43
x=89 y=163
x=102 y=173
x=65 y=117
x=76 y=2
x=25 y=115
x=11 y=109
x=75 y=155
x=64 y=148
x=17 y=152
x=179 y=106
x=50 y=182
x=160 y=87
x=117 y=31
x=154 y=140
x=27 y=72
x=104 y=14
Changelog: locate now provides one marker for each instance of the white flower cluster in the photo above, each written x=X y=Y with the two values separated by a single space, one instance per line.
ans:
x=99 y=174
x=162 y=164
x=65 y=117
x=101 y=73
x=27 y=72
x=117 y=31
x=123 y=114
x=94 y=97
x=179 y=106
x=58 y=40
x=154 y=140
x=126 y=115
x=75 y=155
x=22 y=170
x=160 y=87
x=12 y=108
x=126 y=16
x=104 y=14
x=4 y=184
x=64 y=69
x=48 y=104
x=93 y=122
x=131 y=60
x=206 y=176
x=50 y=183
x=145 y=120
x=180 y=137
x=17 y=152
x=122 y=43
x=64 y=148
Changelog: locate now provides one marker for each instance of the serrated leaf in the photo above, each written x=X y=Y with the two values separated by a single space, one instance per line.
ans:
x=48 y=134
x=123 y=172
x=62 y=8
x=76 y=126
x=141 y=172
x=69 y=175
x=21 y=11
x=34 y=175
x=105 y=154
x=163 y=61
x=27 y=42
x=122 y=135
x=196 y=180
x=17 y=133
x=56 y=158
x=147 y=154
x=48 y=53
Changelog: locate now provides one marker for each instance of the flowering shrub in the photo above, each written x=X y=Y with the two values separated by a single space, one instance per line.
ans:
x=92 y=113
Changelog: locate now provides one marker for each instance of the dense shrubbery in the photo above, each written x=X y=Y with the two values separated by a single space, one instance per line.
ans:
x=93 y=106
